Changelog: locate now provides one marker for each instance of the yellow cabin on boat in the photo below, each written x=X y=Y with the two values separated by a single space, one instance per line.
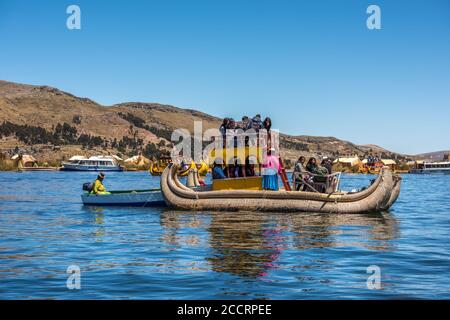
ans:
x=239 y=154
x=245 y=183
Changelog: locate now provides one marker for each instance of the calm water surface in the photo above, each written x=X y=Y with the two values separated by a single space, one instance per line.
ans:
x=146 y=253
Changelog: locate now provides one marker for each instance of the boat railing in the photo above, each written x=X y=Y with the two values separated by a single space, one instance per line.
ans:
x=331 y=184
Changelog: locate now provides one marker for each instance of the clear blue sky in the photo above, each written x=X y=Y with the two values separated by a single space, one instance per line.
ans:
x=313 y=66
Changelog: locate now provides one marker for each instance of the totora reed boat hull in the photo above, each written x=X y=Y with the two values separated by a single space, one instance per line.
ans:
x=379 y=196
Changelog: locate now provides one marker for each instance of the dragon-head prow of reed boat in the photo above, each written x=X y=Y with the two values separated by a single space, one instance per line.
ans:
x=379 y=196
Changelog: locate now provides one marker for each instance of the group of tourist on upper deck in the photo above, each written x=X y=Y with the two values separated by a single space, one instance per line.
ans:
x=256 y=123
x=271 y=167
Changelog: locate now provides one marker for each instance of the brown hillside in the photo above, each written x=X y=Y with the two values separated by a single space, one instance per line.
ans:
x=167 y=116
x=46 y=107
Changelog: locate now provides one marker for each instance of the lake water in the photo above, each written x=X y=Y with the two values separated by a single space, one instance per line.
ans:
x=147 y=253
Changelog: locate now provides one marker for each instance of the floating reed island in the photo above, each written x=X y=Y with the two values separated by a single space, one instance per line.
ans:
x=379 y=196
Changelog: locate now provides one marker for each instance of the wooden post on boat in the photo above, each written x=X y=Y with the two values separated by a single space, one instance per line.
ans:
x=196 y=178
x=190 y=181
x=284 y=177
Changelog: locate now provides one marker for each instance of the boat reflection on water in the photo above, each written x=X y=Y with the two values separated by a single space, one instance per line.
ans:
x=372 y=231
x=247 y=246
x=98 y=216
x=250 y=244
x=176 y=225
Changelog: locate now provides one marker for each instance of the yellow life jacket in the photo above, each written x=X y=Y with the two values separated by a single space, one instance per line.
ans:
x=98 y=187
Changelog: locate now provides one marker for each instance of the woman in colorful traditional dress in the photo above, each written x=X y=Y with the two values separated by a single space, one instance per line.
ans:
x=271 y=169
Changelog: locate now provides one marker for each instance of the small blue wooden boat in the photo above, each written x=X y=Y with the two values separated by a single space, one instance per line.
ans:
x=126 y=198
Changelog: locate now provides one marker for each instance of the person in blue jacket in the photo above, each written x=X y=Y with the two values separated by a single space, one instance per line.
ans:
x=217 y=171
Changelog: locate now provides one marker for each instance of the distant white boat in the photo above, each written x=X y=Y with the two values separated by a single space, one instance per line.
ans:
x=98 y=163
x=431 y=167
x=127 y=198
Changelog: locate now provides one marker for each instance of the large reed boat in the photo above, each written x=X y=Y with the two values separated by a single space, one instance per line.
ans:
x=246 y=194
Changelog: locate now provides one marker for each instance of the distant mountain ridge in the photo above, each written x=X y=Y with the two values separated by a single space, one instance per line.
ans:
x=134 y=125
x=435 y=156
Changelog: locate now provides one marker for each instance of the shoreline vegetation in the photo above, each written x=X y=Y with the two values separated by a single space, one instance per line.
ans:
x=11 y=165
x=7 y=164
